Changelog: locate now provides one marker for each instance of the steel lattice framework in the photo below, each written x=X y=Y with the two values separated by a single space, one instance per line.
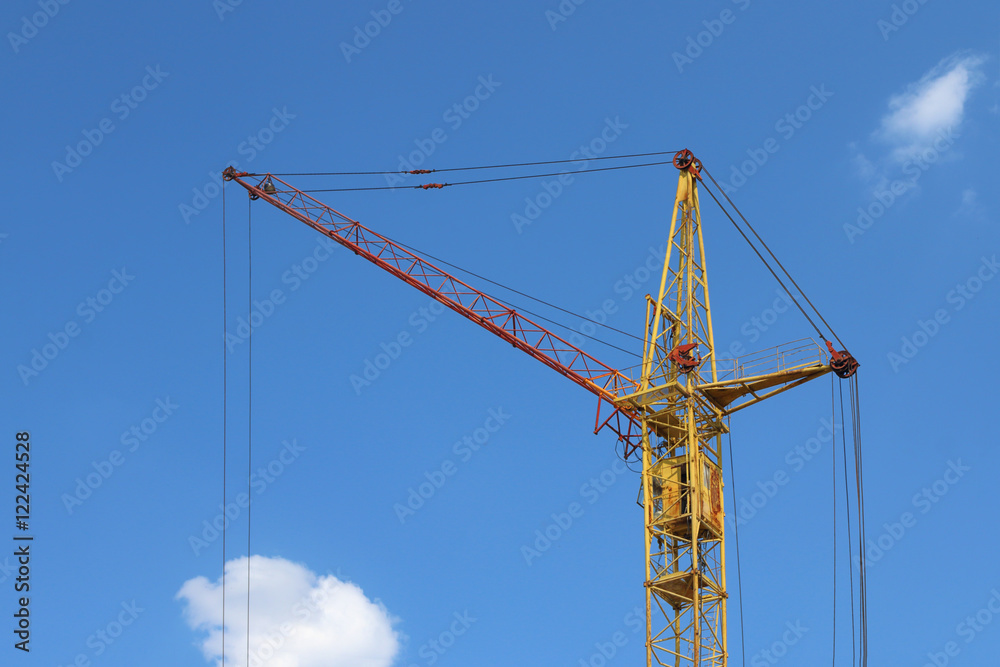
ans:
x=674 y=414
x=681 y=463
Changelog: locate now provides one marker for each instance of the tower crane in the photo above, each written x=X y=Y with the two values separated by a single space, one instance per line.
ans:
x=672 y=416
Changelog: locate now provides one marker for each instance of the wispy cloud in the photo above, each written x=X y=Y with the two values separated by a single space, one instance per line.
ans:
x=297 y=619
x=920 y=125
x=930 y=106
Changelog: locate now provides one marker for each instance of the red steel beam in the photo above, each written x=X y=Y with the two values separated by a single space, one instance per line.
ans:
x=501 y=320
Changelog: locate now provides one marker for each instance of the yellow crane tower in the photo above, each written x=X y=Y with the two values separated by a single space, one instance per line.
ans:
x=685 y=396
x=674 y=414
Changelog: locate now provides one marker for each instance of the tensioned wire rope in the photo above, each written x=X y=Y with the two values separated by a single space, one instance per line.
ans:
x=736 y=528
x=437 y=186
x=225 y=412
x=490 y=166
x=774 y=257
x=249 y=409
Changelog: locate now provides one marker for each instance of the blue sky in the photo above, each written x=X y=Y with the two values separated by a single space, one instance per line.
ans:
x=860 y=139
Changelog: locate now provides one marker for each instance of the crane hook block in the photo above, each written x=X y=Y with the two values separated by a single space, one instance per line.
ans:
x=686 y=357
x=842 y=363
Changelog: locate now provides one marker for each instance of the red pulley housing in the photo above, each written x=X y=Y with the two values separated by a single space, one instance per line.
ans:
x=685 y=357
x=842 y=363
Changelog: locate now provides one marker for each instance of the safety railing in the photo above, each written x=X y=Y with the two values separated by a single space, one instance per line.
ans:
x=791 y=356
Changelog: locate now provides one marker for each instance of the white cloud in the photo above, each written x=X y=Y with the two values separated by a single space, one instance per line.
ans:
x=932 y=105
x=298 y=619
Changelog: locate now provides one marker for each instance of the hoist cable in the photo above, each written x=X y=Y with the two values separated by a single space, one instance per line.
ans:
x=225 y=375
x=736 y=524
x=861 y=544
x=766 y=265
x=860 y=505
x=490 y=166
x=777 y=261
x=833 y=449
x=850 y=537
x=859 y=612
x=249 y=408
x=856 y=418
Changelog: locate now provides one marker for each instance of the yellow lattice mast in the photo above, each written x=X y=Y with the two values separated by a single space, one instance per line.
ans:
x=684 y=397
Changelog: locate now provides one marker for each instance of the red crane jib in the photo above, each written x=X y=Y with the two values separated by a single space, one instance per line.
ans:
x=521 y=332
